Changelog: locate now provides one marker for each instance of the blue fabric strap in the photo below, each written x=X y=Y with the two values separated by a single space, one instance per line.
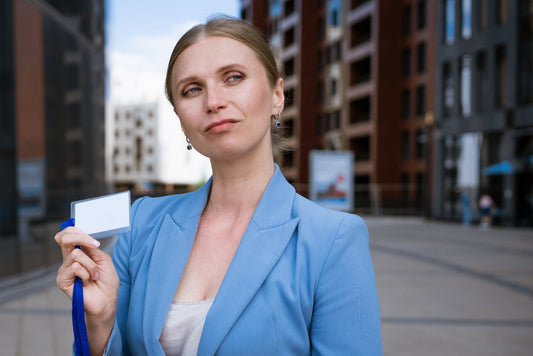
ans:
x=78 y=311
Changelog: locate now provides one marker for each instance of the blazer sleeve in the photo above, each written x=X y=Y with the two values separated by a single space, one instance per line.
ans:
x=346 y=316
x=117 y=344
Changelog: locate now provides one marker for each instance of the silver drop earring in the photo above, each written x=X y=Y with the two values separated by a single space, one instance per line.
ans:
x=189 y=146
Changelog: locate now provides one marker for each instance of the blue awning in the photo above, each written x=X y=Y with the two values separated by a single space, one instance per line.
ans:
x=503 y=167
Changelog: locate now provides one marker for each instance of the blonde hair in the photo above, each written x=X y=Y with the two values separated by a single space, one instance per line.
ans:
x=229 y=27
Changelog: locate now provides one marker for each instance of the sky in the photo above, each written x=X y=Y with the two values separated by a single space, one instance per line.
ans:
x=140 y=37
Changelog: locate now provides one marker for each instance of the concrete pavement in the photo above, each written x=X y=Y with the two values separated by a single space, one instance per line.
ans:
x=444 y=290
x=449 y=290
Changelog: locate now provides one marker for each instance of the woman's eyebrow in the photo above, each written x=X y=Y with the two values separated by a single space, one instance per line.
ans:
x=188 y=79
x=227 y=67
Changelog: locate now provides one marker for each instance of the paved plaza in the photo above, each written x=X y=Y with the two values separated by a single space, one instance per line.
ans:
x=444 y=289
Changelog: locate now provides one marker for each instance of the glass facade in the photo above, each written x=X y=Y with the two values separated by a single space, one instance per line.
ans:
x=8 y=198
x=449 y=21
x=466 y=86
x=466 y=26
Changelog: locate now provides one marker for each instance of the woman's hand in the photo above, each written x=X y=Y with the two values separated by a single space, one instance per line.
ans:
x=96 y=270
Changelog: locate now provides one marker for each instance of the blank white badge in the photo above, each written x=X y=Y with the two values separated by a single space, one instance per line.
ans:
x=103 y=216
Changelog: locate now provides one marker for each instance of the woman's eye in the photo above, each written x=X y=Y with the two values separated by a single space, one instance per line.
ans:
x=235 y=77
x=189 y=90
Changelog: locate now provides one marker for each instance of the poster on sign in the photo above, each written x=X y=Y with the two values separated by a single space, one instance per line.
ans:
x=331 y=179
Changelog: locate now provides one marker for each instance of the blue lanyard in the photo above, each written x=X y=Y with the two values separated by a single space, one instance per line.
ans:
x=78 y=312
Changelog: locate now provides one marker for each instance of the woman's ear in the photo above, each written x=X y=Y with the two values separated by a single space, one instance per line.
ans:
x=278 y=97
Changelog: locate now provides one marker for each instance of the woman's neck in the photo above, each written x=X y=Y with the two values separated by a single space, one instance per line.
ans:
x=238 y=186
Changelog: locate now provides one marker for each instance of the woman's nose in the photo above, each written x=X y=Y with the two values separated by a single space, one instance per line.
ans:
x=215 y=99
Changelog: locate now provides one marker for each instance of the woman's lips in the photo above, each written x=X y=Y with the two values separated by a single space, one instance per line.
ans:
x=219 y=126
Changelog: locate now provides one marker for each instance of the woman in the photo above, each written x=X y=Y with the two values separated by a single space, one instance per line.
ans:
x=244 y=265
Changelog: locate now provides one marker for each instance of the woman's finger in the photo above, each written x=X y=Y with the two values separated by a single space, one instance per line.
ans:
x=71 y=237
x=67 y=275
x=79 y=256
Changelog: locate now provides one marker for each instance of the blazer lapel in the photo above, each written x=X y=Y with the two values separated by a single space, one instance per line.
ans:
x=169 y=256
x=265 y=239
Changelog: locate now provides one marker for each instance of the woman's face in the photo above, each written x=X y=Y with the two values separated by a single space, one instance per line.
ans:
x=223 y=98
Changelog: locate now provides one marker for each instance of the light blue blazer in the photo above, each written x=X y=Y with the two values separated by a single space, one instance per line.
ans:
x=300 y=283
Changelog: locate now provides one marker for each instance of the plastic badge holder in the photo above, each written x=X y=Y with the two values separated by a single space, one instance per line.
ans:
x=99 y=217
x=103 y=216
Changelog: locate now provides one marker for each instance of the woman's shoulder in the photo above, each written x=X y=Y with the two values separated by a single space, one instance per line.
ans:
x=321 y=218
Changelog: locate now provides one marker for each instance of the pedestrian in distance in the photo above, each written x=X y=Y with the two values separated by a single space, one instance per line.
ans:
x=466 y=209
x=486 y=205
x=244 y=265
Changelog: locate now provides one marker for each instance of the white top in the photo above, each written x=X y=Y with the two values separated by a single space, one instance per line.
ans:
x=183 y=327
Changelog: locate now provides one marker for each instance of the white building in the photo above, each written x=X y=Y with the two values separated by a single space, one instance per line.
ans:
x=146 y=145
x=134 y=148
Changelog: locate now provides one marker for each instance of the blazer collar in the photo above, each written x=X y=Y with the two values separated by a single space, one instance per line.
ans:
x=172 y=247
x=265 y=239
x=262 y=244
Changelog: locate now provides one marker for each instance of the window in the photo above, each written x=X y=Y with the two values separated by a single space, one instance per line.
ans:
x=466 y=28
x=406 y=138
x=420 y=101
x=361 y=32
x=288 y=37
x=275 y=8
x=289 y=7
x=421 y=57
x=334 y=13
x=405 y=186
x=421 y=17
x=244 y=13
x=361 y=148
x=73 y=154
x=333 y=86
x=482 y=14
x=334 y=119
x=466 y=84
x=500 y=77
x=138 y=153
x=406 y=104
x=319 y=60
x=501 y=11
x=419 y=179
x=482 y=83
x=448 y=92
x=360 y=110
x=335 y=52
x=288 y=67
x=420 y=143
x=321 y=29
x=406 y=20
x=360 y=71
x=320 y=93
x=525 y=53
x=449 y=21
x=320 y=125
x=406 y=62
